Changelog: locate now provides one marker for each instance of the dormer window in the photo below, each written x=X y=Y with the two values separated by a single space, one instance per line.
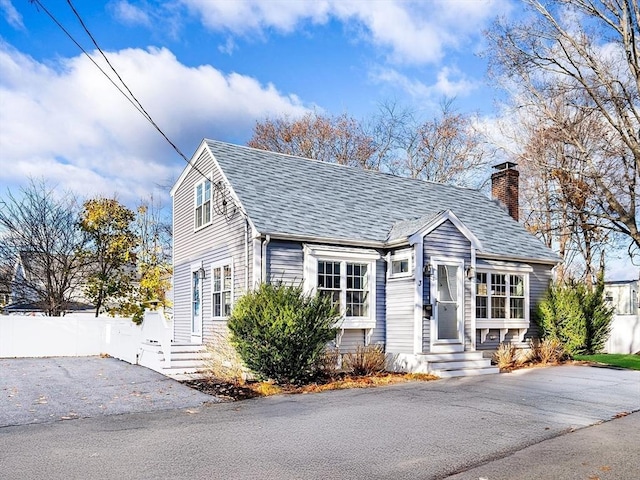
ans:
x=203 y=204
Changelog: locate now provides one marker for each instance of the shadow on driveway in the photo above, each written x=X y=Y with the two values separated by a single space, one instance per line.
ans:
x=43 y=390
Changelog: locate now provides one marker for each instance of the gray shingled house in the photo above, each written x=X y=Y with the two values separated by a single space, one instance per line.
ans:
x=434 y=272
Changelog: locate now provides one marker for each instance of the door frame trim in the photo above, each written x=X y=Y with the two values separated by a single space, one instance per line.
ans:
x=446 y=346
x=195 y=336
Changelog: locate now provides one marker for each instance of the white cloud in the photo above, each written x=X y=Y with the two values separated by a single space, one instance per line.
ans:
x=11 y=15
x=68 y=123
x=413 y=32
x=129 y=14
x=450 y=83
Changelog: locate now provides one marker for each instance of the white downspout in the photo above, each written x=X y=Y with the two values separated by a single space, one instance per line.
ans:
x=246 y=255
x=267 y=239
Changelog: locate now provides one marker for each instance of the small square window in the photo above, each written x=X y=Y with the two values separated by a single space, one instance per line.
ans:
x=400 y=264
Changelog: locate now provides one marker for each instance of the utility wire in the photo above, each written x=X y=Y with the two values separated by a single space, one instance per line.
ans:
x=130 y=97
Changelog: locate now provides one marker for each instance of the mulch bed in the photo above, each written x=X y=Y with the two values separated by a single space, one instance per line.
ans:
x=232 y=391
x=226 y=390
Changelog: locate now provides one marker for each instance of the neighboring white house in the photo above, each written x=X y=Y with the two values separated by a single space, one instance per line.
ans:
x=27 y=287
x=434 y=272
x=622 y=295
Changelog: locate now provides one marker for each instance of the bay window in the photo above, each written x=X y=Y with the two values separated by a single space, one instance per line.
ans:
x=500 y=296
x=502 y=303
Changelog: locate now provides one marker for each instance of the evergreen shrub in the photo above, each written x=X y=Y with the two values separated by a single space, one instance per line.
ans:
x=281 y=333
x=576 y=316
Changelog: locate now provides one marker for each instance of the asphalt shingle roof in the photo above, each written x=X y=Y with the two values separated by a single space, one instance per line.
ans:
x=289 y=195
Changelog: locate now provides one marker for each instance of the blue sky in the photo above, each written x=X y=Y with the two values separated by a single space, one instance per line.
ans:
x=212 y=68
x=207 y=68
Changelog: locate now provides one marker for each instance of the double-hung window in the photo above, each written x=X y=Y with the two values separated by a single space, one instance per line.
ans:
x=203 y=203
x=347 y=276
x=222 y=288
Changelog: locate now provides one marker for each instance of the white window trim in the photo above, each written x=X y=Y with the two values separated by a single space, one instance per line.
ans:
x=504 y=324
x=404 y=254
x=221 y=264
x=195 y=199
x=315 y=253
x=194 y=335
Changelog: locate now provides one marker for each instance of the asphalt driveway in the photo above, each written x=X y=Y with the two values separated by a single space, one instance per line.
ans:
x=44 y=390
x=429 y=430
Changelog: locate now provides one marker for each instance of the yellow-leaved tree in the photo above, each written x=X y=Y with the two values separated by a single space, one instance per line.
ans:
x=110 y=251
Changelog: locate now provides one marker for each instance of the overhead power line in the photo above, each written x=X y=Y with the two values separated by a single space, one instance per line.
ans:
x=128 y=94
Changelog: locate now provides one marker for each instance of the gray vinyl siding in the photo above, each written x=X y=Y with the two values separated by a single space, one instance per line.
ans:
x=447 y=241
x=285 y=262
x=426 y=322
x=351 y=339
x=400 y=315
x=539 y=281
x=222 y=239
x=379 y=333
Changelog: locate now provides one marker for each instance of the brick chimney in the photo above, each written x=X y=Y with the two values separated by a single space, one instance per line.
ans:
x=504 y=186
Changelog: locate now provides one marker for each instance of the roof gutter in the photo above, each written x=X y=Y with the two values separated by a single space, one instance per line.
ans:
x=492 y=256
x=338 y=241
x=397 y=243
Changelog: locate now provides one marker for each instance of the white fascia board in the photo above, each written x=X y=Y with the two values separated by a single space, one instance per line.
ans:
x=329 y=251
x=439 y=220
x=189 y=167
x=325 y=240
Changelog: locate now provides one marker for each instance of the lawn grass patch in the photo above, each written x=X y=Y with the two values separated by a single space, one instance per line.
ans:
x=614 y=359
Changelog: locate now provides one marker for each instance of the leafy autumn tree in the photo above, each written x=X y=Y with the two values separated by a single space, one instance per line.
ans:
x=586 y=52
x=557 y=201
x=109 y=228
x=445 y=149
x=39 y=229
x=153 y=261
x=338 y=139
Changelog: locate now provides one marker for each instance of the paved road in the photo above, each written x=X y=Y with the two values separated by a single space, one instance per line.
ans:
x=44 y=390
x=410 y=431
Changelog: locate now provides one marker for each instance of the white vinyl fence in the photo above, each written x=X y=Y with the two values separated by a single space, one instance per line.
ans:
x=79 y=334
x=625 y=334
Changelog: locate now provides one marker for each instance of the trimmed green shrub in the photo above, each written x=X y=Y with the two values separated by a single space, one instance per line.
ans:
x=577 y=317
x=281 y=333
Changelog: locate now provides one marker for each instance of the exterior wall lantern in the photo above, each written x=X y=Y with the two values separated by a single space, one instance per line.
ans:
x=202 y=274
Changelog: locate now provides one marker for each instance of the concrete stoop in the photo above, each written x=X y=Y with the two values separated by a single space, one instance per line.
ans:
x=186 y=360
x=462 y=364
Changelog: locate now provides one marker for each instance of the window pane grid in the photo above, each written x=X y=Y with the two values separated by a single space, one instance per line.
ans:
x=203 y=203
x=502 y=298
x=221 y=283
x=345 y=282
x=498 y=285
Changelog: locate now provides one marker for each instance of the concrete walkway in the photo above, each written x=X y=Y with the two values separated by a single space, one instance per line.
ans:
x=44 y=390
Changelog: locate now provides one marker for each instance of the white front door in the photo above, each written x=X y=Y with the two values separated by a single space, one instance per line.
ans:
x=447 y=324
x=196 y=307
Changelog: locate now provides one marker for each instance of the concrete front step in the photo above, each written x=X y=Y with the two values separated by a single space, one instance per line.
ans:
x=466 y=372
x=186 y=359
x=451 y=357
x=460 y=364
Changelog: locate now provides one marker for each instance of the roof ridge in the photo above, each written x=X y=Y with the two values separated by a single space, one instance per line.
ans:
x=340 y=165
